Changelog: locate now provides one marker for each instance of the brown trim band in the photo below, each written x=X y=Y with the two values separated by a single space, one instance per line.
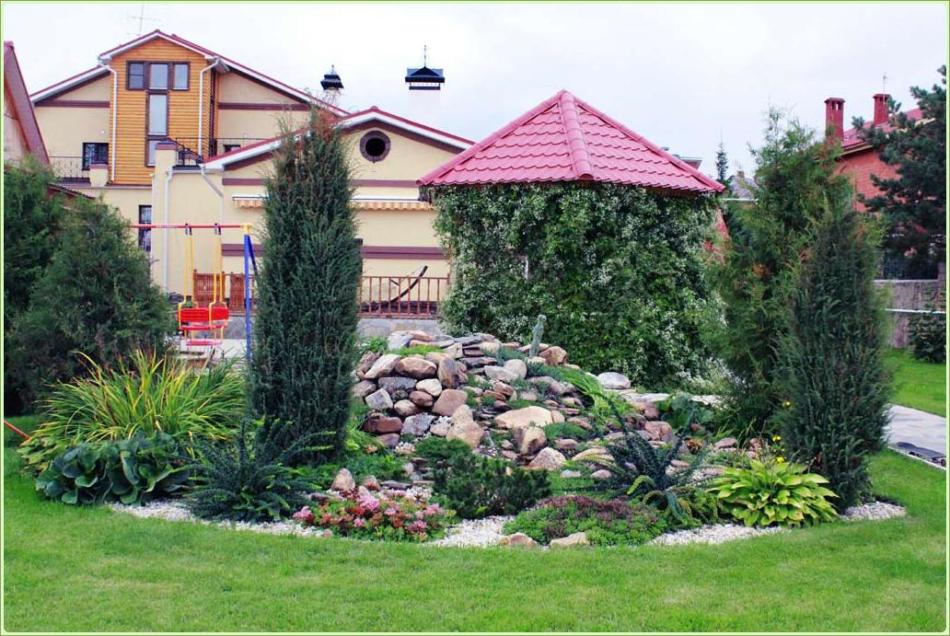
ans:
x=359 y=183
x=256 y=106
x=377 y=252
x=370 y=125
x=75 y=103
x=242 y=181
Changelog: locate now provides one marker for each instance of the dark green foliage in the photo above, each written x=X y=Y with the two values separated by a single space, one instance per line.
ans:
x=251 y=479
x=722 y=165
x=94 y=298
x=834 y=379
x=305 y=331
x=612 y=522
x=134 y=470
x=795 y=176
x=376 y=344
x=438 y=450
x=476 y=486
x=914 y=203
x=618 y=272
x=680 y=410
x=928 y=335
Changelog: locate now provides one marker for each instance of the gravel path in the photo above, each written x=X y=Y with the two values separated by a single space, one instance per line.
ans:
x=176 y=511
x=477 y=533
x=712 y=534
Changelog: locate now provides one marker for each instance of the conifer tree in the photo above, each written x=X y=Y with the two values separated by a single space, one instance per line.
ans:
x=722 y=165
x=833 y=379
x=304 y=335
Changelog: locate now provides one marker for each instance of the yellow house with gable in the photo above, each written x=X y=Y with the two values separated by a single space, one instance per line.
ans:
x=169 y=132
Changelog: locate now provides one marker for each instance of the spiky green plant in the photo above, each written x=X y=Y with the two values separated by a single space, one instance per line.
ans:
x=146 y=393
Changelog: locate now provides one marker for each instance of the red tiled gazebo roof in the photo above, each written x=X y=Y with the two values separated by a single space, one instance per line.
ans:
x=565 y=139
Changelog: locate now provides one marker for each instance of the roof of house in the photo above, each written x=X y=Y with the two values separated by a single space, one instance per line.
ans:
x=372 y=115
x=97 y=71
x=565 y=139
x=852 y=140
x=21 y=104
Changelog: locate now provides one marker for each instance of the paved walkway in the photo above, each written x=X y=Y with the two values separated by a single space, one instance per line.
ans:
x=918 y=428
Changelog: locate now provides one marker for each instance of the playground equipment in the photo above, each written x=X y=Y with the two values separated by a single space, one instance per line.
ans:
x=203 y=316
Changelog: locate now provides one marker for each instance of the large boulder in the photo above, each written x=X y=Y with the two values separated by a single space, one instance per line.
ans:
x=570 y=541
x=365 y=363
x=405 y=408
x=343 y=482
x=397 y=386
x=416 y=367
x=518 y=540
x=431 y=386
x=363 y=388
x=450 y=374
x=448 y=401
x=529 y=439
x=398 y=340
x=658 y=431
x=518 y=367
x=595 y=455
x=527 y=416
x=380 y=424
x=384 y=365
x=548 y=459
x=421 y=399
x=465 y=428
x=493 y=372
x=379 y=400
x=417 y=425
x=554 y=356
x=615 y=381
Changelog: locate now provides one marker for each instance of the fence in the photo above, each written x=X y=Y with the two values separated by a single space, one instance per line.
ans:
x=69 y=169
x=907 y=298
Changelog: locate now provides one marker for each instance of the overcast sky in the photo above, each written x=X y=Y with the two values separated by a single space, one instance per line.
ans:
x=682 y=75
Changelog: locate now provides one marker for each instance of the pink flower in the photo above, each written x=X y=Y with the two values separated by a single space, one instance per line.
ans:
x=359 y=522
x=304 y=515
x=433 y=509
x=369 y=502
x=417 y=526
x=390 y=511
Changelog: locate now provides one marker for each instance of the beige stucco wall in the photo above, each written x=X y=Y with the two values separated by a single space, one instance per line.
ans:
x=98 y=90
x=66 y=129
x=408 y=159
x=14 y=143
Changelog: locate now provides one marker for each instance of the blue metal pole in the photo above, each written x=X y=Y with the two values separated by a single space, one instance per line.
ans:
x=248 y=255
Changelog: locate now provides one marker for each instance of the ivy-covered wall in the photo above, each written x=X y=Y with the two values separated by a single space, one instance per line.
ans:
x=618 y=271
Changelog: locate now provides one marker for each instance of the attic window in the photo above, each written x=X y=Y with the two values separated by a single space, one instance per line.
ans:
x=374 y=146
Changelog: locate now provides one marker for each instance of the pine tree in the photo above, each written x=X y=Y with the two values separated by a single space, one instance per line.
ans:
x=915 y=201
x=722 y=166
x=304 y=335
x=795 y=174
x=95 y=298
x=832 y=357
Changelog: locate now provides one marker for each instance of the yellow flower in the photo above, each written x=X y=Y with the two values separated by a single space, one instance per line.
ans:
x=776 y=438
x=786 y=404
x=780 y=460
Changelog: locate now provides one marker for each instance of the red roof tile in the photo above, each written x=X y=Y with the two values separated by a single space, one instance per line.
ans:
x=566 y=139
x=852 y=140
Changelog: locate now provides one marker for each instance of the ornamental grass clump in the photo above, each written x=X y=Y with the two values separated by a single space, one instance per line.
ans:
x=774 y=493
x=147 y=394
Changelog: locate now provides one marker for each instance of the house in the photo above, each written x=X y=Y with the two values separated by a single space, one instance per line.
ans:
x=858 y=159
x=168 y=131
x=21 y=132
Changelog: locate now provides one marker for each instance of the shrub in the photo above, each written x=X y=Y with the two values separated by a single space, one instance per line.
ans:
x=834 y=377
x=795 y=173
x=681 y=410
x=604 y=403
x=773 y=493
x=611 y=522
x=305 y=332
x=378 y=516
x=476 y=486
x=438 y=450
x=928 y=336
x=147 y=393
x=376 y=344
x=132 y=471
x=419 y=349
x=623 y=267
x=95 y=300
x=250 y=479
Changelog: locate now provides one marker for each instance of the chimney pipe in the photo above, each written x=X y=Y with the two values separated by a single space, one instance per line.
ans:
x=880 y=108
x=834 y=117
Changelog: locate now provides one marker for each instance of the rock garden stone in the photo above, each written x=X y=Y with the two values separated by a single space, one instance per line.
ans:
x=489 y=348
x=416 y=367
x=432 y=386
x=527 y=416
x=503 y=389
x=473 y=362
x=453 y=351
x=534 y=361
x=343 y=482
x=554 y=356
x=449 y=373
x=405 y=408
x=601 y=474
x=518 y=367
x=389 y=440
x=529 y=439
x=595 y=454
x=365 y=363
x=565 y=444
x=363 y=388
x=658 y=431
x=379 y=400
x=397 y=386
x=582 y=422
x=384 y=365
x=726 y=442
x=382 y=424
x=464 y=427
x=557 y=417
x=548 y=459
x=494 y=372
x=441 y=427
x=398 y=340
x=370 y=482
x=570 y=541
x=417 y=425
x=448 y=401
x=510 y=455
x=571 y=474
x=519 y=540
x=614 y=381
x=528 y=395
x=421 y=399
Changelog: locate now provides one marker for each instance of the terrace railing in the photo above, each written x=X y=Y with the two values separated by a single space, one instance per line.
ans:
x=69 y=169
x=193 y=151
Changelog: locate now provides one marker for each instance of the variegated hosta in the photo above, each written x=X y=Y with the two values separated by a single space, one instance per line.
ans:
x=774 y=493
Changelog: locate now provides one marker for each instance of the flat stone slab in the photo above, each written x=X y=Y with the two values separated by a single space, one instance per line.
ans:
x=918 y=428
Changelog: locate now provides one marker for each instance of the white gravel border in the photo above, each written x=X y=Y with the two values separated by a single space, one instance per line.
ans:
x=713 y=534
x=874 y=511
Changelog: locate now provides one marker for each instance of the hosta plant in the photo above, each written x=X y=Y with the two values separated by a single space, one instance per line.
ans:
x=774 y=493
x=131 y=471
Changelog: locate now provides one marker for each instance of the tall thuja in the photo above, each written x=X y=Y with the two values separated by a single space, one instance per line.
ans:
x=795 y=174
x=833 y=377
x=305 y=332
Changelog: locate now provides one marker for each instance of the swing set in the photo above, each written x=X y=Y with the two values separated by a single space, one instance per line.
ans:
x=202 y=318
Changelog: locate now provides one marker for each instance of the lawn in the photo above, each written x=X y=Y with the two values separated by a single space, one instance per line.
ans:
x=919 y=385
x=96 y=570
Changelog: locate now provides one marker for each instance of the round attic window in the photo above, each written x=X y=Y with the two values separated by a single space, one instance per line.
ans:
x=374 y=145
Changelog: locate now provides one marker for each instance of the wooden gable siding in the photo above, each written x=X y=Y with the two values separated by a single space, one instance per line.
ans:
x=132 y=108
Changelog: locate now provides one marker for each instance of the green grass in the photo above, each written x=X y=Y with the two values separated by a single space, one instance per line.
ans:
x=917 y=384
x=93 y=569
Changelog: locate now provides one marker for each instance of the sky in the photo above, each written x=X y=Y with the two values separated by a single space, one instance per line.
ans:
x=685 y=76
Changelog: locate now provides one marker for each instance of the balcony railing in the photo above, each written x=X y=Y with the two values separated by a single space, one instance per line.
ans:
x=193 y=151
x=69 y=169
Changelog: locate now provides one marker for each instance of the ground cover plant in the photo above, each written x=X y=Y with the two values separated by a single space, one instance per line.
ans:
x=90 y=569
x=378 y=516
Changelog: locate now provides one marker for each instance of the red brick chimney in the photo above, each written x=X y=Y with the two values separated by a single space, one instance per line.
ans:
x=880 y=108
x=834 y=117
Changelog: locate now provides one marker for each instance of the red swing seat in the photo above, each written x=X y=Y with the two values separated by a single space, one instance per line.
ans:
x=213 y=318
